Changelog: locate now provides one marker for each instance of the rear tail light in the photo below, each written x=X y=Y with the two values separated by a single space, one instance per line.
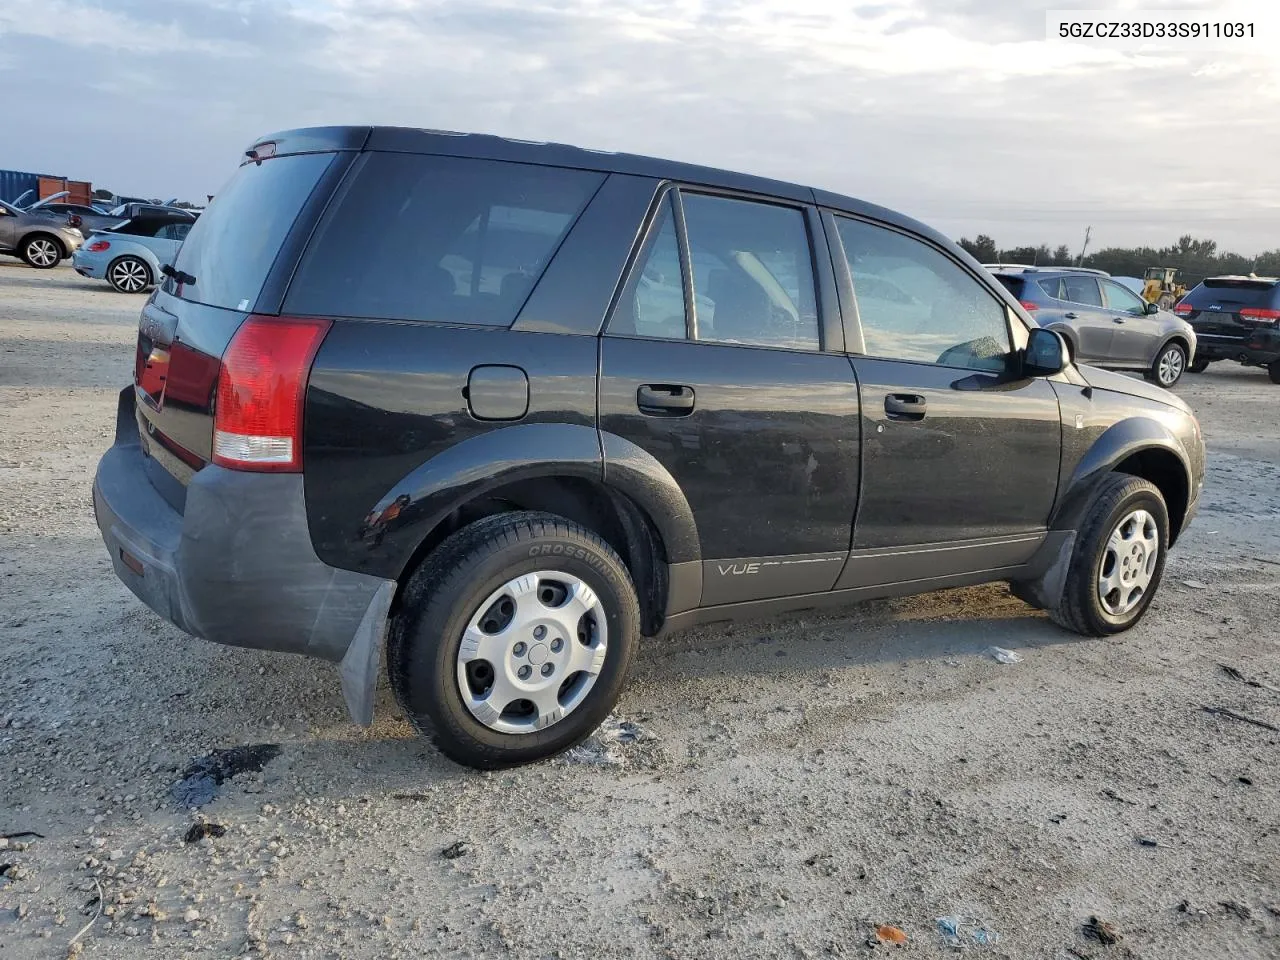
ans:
x=1260 y=313
x=1029 y=305
x=261 y=389
x=1183 y=309
x=99 y=245
x=74 y=220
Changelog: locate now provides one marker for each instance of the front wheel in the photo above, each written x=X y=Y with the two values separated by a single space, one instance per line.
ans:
x=129 y=275
x=41 y=252
x=514 y=639
x=1118 y=558
x=1166 y=369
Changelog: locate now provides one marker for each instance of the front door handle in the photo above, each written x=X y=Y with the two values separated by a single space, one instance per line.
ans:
x=665 y=400
x=904 y=406
x=1070 y=316
x=1118 y=319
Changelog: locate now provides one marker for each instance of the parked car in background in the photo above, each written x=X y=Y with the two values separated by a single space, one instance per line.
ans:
x=85 y=218
x=511 y=406
x=1104 y=322
x=129 y=256
x=128 y=210
x=42 y=238
x=1235 y=318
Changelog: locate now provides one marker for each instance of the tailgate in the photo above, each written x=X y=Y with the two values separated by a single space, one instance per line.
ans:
x=226 y=269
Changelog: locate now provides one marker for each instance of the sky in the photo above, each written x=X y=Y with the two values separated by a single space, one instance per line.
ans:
x=957 y=112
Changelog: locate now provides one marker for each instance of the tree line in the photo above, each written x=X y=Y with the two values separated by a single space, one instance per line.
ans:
x=1194 y=259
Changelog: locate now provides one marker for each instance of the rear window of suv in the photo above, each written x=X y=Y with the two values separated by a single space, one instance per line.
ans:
x=231 y=248
x=1243 y=292
x=443 y=239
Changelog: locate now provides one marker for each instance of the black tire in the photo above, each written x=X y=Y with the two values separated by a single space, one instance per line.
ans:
x=1169 y=364
x=1080 y=608
x=1198 y=365
x=1273 y=371
x=42 y=251
x=129 y=274
x=446 y=591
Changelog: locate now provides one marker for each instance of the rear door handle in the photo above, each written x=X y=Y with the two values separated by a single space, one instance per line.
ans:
x=904 y=406
x=1070 y=316
x=665 y=400
x=1118 y=319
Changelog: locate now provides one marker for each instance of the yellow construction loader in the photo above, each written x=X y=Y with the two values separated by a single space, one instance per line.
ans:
x=1160 y=287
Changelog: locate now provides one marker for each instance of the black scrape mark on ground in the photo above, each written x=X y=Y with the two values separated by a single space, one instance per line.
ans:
x=203 y=776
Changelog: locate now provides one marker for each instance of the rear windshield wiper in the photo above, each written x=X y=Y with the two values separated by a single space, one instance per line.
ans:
x=178 y=275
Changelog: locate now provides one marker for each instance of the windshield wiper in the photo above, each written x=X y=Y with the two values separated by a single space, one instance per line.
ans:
x=178 y=275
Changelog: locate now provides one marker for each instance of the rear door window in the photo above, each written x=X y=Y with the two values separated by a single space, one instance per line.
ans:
x=444 y=239
x=653 y=302
x=1053 y=288
x=752 y=272
x=231 y=248
x=1082 y=290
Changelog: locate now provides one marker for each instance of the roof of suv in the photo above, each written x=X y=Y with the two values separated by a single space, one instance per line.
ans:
x=489 y=147
x=1010 y=268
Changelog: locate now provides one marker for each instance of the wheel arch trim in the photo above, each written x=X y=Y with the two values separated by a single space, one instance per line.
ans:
x=1116 y=445
x=405 y=517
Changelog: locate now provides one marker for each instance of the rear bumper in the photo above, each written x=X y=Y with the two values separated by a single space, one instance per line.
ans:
x=89 y=265
x=1260 y=349
x=237 y=566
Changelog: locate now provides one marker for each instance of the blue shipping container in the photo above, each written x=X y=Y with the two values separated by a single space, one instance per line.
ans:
x=14 y=183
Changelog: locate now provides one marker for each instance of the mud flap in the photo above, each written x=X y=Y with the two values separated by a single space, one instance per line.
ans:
x=359 y=667
x=1045 y=590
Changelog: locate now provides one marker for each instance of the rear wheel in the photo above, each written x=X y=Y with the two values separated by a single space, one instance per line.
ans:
x=1273 y=371
x=1170 y=362
x=41 y=251
x=129 y=274
x=1198 y=365
x=514 y=639
x=1118 y=558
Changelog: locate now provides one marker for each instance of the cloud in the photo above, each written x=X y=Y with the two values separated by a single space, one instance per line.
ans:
x=956 y=112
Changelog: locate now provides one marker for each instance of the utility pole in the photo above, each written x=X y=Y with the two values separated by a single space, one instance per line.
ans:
x=1080 y=259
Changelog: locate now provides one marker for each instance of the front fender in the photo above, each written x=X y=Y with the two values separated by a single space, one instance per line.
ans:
x=1112 y=447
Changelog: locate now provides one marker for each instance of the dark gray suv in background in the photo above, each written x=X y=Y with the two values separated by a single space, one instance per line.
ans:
x=503 y=408
x=1104 y=322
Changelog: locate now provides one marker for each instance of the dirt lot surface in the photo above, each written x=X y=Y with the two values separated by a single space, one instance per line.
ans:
x=771 y=789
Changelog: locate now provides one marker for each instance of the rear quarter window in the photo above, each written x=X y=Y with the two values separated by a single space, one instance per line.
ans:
x=443 y=239
x=1013 y=284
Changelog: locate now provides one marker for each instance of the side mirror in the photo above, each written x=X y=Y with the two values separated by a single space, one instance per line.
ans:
x=1046 y=353
x=1153 y=308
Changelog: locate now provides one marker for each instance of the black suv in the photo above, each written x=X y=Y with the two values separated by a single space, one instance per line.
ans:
x=1235 y=318
x=511 y=406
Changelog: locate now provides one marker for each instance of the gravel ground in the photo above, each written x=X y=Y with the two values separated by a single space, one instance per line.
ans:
x=771 y=789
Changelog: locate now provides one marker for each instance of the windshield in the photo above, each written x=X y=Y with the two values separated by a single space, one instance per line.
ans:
x=1243 y=292
x=233 y=244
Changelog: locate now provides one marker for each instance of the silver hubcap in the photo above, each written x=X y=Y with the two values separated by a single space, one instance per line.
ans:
x=1128 y=563
x=129 y=275
x=532 y=652
x=42 y=252
x=1170 y=367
